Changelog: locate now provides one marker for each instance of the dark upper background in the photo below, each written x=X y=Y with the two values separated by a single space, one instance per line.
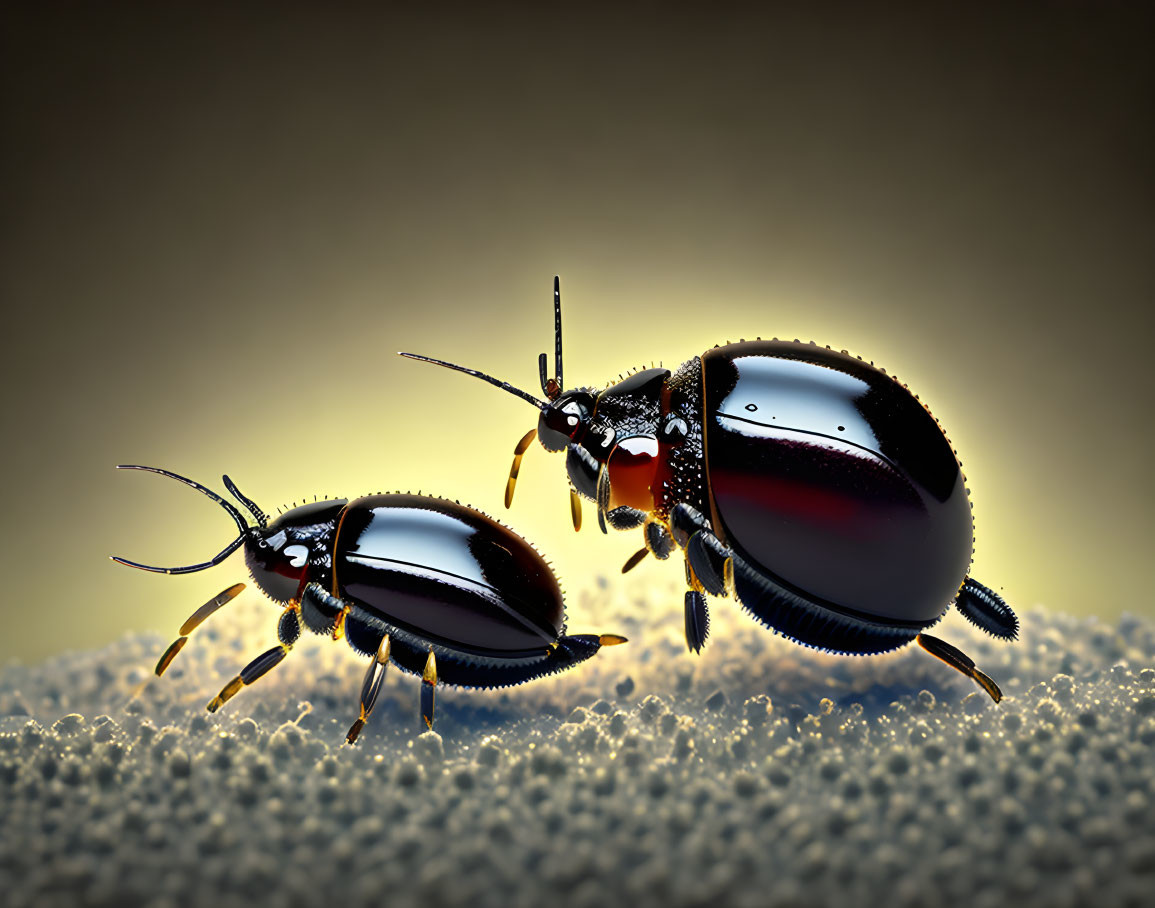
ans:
x=219 y=224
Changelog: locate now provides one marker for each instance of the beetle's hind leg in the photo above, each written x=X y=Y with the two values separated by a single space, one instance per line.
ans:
x=288 y=630
x=986 y=609
x=959 y=661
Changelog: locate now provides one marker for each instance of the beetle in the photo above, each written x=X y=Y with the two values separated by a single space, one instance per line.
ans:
x=809 y=485
x=440 y=589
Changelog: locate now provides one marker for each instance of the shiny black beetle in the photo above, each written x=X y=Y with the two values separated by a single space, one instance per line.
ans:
x=812 y=486
x=444 y=591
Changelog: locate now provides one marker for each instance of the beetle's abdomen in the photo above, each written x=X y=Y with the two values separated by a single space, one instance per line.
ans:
x=449 y=575
x=831 y=476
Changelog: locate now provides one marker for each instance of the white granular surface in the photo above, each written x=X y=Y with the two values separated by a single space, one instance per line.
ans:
x=759 y=773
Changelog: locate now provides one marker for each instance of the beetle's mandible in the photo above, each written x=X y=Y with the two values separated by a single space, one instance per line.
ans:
x=442 y=590
x=808 y=484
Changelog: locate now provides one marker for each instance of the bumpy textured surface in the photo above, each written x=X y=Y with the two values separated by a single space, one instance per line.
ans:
x=759 y=773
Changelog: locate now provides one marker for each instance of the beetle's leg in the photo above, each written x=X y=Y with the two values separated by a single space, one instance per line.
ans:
x=633 y=561
x=250 y=673
x=370 y=688
x=708 y=558
x=603 y=496
x=193 y=622
x=518 y=454
x=575 y=508
x=625 y=518
x=289 y=627
x=288 y=630
x=339 y=622
x=658 y=539
x=697 y=620
x=685 y=521
x=709 y=568
x=959 y=661
x=320 y=611
x=711 y=560
x=428 y=688
x=985 y=608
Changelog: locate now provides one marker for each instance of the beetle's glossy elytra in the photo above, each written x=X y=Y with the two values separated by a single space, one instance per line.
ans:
x=806 y=483
x=440 y=589
x=816 y=459
x=448 y=574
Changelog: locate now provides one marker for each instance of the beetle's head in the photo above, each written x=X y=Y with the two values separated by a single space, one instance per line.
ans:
x=565 y=419
x=279 y=553
x=564 y=416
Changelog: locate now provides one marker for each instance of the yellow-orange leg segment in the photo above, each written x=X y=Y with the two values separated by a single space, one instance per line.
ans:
x=194 y=621
x=250 y=673
x=428 y=689
x=634 y=560
x=339 y=624
x=959 y=661
x=575 y=509
x=370 y=688
x=518 y=454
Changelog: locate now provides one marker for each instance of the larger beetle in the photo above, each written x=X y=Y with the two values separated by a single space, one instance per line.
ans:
x=441 y=589
x=805 y=482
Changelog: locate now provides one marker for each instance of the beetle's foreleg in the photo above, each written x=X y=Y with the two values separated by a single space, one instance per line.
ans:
x=288 y=630
x=959 y=661
x=370 y=688
x=518 y=454
x=428 y=689
x=289 y=627
x=265 y=662
x=575 y=508
x=193 y=622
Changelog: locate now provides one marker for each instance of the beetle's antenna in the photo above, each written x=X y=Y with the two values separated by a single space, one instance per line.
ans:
x=188 y=568
x=258 y=515
x=505 y=386
x=552 y=388
x=557 y=330
x=220 y=556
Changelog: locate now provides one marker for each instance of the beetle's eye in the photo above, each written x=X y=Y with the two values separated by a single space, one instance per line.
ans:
x=573 y=414
x=562 y=420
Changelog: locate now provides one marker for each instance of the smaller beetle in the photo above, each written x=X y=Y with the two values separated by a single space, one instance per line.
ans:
x=442 y=590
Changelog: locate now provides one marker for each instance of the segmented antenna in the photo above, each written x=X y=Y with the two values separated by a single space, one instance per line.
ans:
x=552 y=387
x=232 y=512
x=505 y=386
x=258 y=515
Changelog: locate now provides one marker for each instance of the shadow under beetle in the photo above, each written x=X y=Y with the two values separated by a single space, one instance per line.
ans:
x=442 y=590
x=808 y=484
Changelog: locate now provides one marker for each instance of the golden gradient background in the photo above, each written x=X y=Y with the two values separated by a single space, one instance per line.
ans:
x=219 y=224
